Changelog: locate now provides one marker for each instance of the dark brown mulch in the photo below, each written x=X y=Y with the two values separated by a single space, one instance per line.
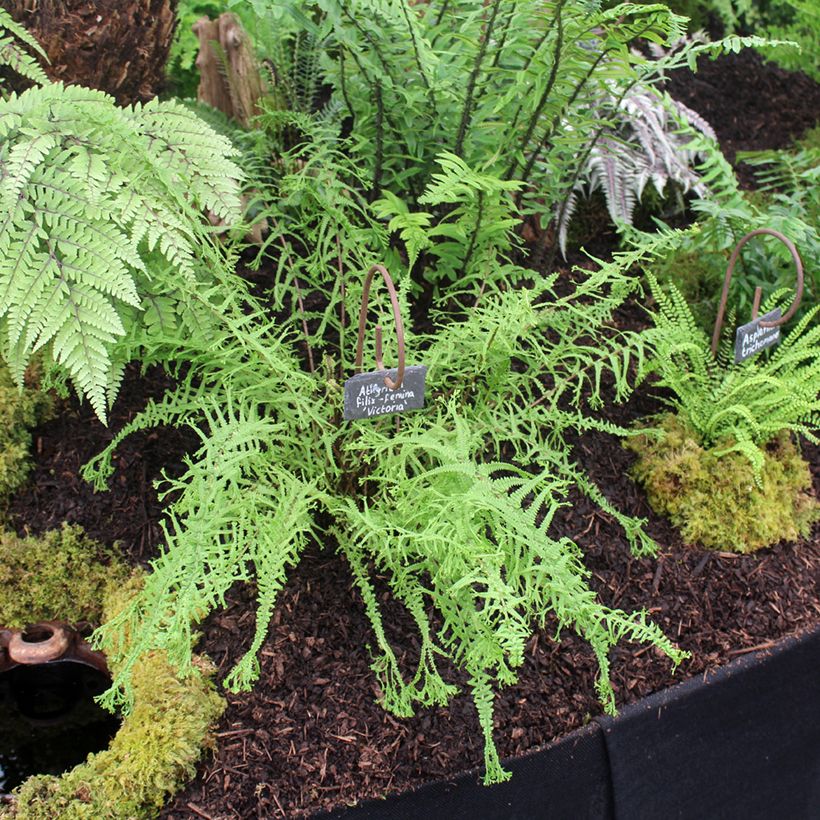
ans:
x=130 y=512
x=752 y=105
x=311 y=734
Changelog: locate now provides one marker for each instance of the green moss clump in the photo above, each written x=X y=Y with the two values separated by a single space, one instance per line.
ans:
x=714 y=500
x=19 y=411
x=151 y=757
x=62 y=575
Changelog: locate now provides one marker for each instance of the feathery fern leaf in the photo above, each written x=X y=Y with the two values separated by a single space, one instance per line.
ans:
x=94 y=197
x=13 y=38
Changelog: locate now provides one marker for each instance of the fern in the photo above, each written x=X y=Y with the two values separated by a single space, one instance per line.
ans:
x=490 y=87
x=726 y=213
x=477 y=546
x=102 y=211
x=641 y=142
x=13 y=41
x=429 y=506
x=734 y=407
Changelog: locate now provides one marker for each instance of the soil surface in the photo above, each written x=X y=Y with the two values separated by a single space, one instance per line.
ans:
x=311 y=735
x=751 y=104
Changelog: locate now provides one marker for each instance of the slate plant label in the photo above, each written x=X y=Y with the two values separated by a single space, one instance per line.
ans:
x=366 y=394
x=751 y=338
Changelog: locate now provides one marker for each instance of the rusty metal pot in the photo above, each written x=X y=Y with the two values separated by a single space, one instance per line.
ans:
x=47 y=642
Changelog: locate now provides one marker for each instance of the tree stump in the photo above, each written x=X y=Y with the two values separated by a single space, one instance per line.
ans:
x=229 y=73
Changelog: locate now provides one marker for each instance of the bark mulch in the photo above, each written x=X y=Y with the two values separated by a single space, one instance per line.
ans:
x=751 y=104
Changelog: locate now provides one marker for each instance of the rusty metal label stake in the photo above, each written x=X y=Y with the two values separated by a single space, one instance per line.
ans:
x=756 y=339
x=384 y=391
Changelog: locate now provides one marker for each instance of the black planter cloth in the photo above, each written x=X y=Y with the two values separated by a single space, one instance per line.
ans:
x=740 y=744
x=743 y=743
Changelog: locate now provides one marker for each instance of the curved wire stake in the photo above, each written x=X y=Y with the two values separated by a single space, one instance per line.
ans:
x=798 y=264
x=394 y=301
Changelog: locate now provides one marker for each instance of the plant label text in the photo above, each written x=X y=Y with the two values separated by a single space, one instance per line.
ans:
x=366 y=394
x=751 y=338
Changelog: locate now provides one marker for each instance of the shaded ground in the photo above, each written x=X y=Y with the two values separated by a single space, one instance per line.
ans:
x=130 y=512
x=752 y=105
x=311 y=734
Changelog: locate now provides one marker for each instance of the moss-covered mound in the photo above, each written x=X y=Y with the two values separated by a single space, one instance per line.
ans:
x=62 y=575
x=150 y=758
x=160 y=741
x=714 y=500
x=19 y=411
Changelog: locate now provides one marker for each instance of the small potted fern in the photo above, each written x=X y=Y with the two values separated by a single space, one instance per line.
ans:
x=726 y=468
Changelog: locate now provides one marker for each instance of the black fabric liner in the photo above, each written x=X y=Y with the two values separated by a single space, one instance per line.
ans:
x=743 y=743
x=569 y=778
x=740 y=744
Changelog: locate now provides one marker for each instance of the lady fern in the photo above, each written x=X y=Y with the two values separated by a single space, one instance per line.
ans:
x=473 y=539
x=13 y=42
x=430 y=506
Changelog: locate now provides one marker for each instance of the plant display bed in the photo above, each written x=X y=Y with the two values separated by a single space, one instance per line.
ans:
x=311 y=735
x=732 y=732
x=742 y=741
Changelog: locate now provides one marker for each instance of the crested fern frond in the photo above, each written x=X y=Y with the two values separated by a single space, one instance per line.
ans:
x=483 y=544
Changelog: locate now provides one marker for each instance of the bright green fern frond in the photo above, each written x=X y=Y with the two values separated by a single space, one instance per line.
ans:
x=479 y=547
x=13 y=37
x=92 y=194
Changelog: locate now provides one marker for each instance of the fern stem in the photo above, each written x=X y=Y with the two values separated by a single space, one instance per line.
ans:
x=301 y=303
x=557 y=119
x=525 y=68
x=578 y=169
x=375 y=87
x=539 y=108
x=343 y=82
x=371 y=41
x=413 y=40
x=474 y=237
x=377 y=170
x=442 y=11
x=311 y=365
x=503 y=39
x=467 y=111
x=343 y=310
x=485 y=88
